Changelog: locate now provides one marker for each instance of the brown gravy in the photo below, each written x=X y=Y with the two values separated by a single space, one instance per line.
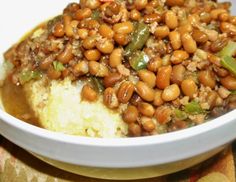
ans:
x=15 y=103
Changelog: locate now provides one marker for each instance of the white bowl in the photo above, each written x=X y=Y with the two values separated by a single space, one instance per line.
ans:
x=126 y=158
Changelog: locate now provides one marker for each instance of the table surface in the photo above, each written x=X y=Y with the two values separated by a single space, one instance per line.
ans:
x=17 y=165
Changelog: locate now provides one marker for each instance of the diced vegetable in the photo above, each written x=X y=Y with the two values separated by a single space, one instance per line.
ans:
x=139 y=39
x=26 y=76
x=228 y=50
x=229 y=63
x=58 y=66
x=193 y=108
x=95 y=15
x=138 y=60
x=233 y=92
x=180 y=114
x=97 y=84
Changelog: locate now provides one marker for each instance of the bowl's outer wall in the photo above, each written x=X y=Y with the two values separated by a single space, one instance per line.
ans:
x=94 y=152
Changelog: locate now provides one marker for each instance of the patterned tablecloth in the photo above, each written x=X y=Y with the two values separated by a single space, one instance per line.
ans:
x=17 y=165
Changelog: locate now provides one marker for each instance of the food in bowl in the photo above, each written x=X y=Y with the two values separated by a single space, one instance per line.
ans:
x=124 y=68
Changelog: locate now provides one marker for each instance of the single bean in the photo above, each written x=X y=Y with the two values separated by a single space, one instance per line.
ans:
x=150 y=18
x=123 y=28
x=162 y=31
x=92 y=55
x=216 y=12
x=185 y=28
x=207 y=78
x=148 y=124
x=224 y=16
x=179 y=56
x=140 y=4
x=91 y=4
x=81 y=68
x=135 y=15
x=148 y=77
x=175 y=2
x=212 y=34
x=53 y=74
x=82 y=33
x=112 y=79
x=158 y=101
x=144 y=91
x=194 y=19
x=154 y=64
x=121 y=39
x=106 y=31
x=229 y=82
x=218 y=45
x=171 y=19
x=125 y=92
x=163 y=114
x=130 y=115
x=105 y=46
x=228 y=28
x=88 y=93
x=188 y=43
x=175 y=40
x=92 y=24
x=146 y=109
x=58 y=30
x=171 y=93
x=83 y=13
x=214 y=59
x=189 y=87
x=115 y=58
x=89 y=42
x=67 y=25
x=134 y=130
x=98 y=69
x=232 y=20
x=66 y=55
x=110 y=99
x=163 y=77
x=177 y=75
x=199 y=36
x=223 y=92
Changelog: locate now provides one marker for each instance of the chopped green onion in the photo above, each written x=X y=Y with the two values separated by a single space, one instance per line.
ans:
x=58 y=66
x=139 y=39
x=228 y=50
x=180 y=114
x=26 y=76
x=193 y=108
x=229 y=63
x=138 y=60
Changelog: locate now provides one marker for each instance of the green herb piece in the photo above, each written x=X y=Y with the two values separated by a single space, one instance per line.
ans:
x=193 y=108
x=139 y=38
x=233 y=92
x=97 y=84
x=26 y=76
x=95 y=15
x=138 y=60
x=228 y=50
x=229 y=63
x=180 y=114
x=58 y=66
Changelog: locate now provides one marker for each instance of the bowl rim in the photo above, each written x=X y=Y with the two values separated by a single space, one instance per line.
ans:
x=119 y=142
